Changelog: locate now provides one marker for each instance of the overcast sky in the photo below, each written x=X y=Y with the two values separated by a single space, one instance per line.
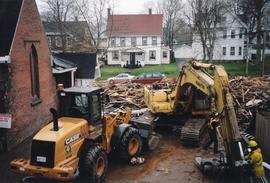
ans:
x=122 y=6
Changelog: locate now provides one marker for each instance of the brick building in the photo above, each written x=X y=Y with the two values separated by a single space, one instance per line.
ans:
x=27 y=86
x=69 y=36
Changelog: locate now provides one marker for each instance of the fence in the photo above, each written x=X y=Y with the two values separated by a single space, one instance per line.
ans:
x=263 y=133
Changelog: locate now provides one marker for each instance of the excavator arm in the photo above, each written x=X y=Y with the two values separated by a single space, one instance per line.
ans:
x=224 y=106
x=212 y=81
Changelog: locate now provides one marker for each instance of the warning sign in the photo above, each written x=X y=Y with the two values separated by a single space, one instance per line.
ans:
x=5 y=120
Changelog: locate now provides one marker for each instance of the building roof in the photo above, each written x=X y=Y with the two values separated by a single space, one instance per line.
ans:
x=85 y=62
x=82 y=90
x=69 y=27
x=9 y=14
x=134 y=25
x=62 y=65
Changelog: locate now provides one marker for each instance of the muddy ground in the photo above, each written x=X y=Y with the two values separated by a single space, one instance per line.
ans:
x=169 y=163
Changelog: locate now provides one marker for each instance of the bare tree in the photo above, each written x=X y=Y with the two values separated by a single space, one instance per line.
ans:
x=58 y=11
x=95 y=13
x=254 y=13
x=204 y=16
x=171 y=13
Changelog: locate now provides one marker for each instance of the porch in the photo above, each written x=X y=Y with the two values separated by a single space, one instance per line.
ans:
x=132 y=58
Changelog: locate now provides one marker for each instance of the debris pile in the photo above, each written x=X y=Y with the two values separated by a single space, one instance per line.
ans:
x=137 y=161
x=251 y=94
x=123 y=96
x=127 y=96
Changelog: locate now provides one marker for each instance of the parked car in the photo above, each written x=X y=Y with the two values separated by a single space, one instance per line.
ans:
x=120 y=78
x=148 y=78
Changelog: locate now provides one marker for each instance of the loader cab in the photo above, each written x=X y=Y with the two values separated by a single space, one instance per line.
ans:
x=81 y=102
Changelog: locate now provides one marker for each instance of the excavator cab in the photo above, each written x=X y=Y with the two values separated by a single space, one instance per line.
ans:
x=83 y=103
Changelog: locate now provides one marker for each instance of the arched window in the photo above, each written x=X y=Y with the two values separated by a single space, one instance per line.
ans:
x=34 y=72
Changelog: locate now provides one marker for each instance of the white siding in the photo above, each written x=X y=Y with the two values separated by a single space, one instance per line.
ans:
x=228 y=42
x=144 y=59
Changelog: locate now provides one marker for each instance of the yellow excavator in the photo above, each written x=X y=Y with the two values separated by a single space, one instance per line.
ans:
x=202 y=89
x=78 y=143
x=189 y=100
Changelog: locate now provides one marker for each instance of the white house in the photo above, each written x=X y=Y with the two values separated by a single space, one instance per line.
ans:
x=183 y=51
x=230 y=42
x=136 y=40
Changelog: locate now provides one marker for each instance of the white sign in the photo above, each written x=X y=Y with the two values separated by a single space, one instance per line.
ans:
x=5 y=120
x=41 y=159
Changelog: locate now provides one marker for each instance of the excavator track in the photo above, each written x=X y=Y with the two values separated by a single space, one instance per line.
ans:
x=193 y=131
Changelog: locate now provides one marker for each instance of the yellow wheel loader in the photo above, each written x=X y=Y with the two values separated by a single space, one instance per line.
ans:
x=79 y=142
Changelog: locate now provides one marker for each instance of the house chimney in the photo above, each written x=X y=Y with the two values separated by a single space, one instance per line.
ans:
x=109 y=11
x=150 y=11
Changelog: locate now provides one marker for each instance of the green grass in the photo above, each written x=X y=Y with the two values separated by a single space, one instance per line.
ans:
x=170 y=70
x=240 y=69
x=110 y=71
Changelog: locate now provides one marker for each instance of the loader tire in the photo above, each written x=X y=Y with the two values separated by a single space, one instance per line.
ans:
x=130 y=144
x=93 y=165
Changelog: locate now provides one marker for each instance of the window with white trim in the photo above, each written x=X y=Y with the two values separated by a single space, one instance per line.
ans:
x=224 y=34
x=232 y=51
x=240 y=51
x=122 y=41
x=224 y=51
x=134 y=41
x=152 y=55
x=232 y=34
x=144 y=41
x=115 y=55
x=58 y=41
x=68 y=41
x=154 y=40
x=49 y=41
x=113 y=43
x=165 y=54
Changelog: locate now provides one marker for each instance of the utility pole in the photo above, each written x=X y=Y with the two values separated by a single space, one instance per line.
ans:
x=247 y=56
x=263 y=52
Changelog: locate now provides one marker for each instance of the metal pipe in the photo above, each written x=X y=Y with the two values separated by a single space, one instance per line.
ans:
x=241 y=150
x=55 y=119
x=266 y=165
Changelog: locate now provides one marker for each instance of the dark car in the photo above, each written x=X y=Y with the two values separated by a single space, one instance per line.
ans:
x=148 y=78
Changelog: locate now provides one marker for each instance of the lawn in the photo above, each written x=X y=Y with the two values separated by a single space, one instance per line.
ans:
x=240 y=69
x=171 y=70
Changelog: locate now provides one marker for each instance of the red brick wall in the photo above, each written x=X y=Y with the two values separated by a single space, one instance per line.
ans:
x=26 y=120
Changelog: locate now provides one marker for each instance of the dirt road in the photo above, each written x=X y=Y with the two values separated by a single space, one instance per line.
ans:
x=170 y=163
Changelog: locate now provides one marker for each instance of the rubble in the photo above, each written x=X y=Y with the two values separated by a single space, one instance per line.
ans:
x=126 y=96
x=251 y=94
x=137 y=161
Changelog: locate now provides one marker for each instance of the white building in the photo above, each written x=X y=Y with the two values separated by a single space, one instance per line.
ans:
x=230 y=42
x=136 y=40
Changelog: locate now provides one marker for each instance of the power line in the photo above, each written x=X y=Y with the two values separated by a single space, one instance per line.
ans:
x=191 y=41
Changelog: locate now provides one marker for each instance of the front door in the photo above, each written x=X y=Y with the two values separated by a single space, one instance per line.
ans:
x=132 y=58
